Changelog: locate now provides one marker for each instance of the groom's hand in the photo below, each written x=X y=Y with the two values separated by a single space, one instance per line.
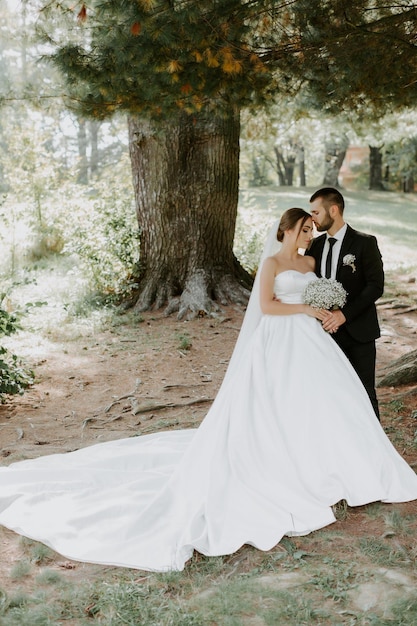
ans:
x=334 y=321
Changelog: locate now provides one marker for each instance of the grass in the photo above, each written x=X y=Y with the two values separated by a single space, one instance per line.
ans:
x=36 y=552
x=185 y=341
x=335 y=578
x=248 y=588
x=20 y=570
x=304 y=580
x=213 y=592
x=381 y=552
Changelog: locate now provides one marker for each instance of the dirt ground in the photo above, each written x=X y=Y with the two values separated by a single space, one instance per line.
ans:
x=154 y=373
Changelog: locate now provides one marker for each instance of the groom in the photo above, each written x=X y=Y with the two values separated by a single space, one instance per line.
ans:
x=354 y=259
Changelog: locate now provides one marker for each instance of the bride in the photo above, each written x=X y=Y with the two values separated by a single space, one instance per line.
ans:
x=290 y=433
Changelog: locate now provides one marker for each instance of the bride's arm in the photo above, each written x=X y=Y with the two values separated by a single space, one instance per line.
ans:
x=270 y=306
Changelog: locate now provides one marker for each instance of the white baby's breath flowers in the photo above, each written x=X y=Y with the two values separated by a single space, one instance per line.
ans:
x=325 y=293
x=349 y=260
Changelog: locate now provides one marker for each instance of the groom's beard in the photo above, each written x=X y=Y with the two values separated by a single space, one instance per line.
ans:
x=328 y=223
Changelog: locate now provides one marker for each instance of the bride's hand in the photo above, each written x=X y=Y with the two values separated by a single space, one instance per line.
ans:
x=332 y=323
x=319 y=314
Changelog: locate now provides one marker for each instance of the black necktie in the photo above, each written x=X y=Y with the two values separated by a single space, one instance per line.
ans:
x=328 y=272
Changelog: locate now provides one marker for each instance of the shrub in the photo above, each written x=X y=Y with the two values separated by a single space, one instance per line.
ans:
x=14 y=376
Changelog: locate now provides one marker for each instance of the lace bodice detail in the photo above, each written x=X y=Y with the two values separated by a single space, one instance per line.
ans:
x=290 y=284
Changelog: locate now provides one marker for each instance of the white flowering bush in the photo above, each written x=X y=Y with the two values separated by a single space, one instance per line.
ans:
x=325 y=293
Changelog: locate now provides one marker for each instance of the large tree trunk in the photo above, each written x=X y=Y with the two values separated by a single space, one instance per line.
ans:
x=185 y=177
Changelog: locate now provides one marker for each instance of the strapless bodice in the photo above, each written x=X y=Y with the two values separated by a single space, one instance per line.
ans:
x=290 y=284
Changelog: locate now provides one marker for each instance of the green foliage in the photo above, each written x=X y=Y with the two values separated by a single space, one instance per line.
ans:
x=157 y=58
x=185 y=341
x=344 y=50
x=105 y=239
x=14 y=376
x=32 y=176
x=109 y=262
x=160 y=58
x=8 y=323
x=401 y=159
x=250 y=232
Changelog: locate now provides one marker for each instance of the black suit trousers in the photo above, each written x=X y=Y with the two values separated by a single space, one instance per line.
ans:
x=363 y=358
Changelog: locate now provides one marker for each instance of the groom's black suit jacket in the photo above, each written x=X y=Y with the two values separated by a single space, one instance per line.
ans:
x=364 y=285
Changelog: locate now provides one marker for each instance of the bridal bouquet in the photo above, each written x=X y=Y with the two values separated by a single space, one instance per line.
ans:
x=325 y=293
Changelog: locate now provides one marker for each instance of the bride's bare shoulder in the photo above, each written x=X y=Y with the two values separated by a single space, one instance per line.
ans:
x=270 y=267
x=310 y=262
x=272 y=260
x=272 y=263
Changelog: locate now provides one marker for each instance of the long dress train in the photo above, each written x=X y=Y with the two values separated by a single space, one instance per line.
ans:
x=290 y=433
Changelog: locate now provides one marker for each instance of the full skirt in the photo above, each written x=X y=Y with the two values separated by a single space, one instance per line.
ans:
x=290 y=433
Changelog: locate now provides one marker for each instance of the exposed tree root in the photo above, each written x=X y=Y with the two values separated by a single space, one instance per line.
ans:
x=203 y=294
x=137 y=405
x=410 y=309
x=145 y=407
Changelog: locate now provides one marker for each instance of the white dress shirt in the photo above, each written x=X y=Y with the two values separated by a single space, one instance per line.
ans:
x=336 y=250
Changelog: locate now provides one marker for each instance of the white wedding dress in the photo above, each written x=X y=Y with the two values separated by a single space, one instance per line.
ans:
x=290 y=433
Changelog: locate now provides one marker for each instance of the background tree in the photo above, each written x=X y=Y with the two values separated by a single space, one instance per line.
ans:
x=401 y=164
x=387 y=137
x=318 y=142
x=285 y=161
x=184 y=71
x=375 y=167
x=39 y=153
x=336 y=146
x=357 y=54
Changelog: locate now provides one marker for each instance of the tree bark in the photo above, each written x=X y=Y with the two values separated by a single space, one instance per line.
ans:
x=375 y=168
x=82 y=174
x=408 y=183
x=333 y=160
x=259 y=177
x=94 y=127
x=185 y=177
x=301 y=161
x=289 y=170
x=280 y=167
x=284 y=166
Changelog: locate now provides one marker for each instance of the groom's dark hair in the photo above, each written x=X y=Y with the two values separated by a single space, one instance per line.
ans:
x=330 y=196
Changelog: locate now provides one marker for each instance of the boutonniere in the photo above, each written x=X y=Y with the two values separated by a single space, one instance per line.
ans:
x=349 y=260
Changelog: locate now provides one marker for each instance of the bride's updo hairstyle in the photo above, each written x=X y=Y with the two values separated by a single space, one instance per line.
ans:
x=289 y=219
